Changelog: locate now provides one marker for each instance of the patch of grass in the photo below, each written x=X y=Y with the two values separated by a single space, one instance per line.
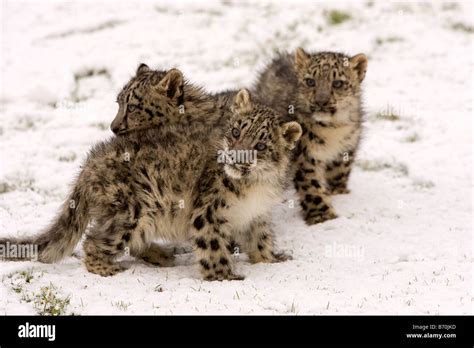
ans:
x=101 y=125
x=462 y=27
x=377 y=165
x=411 y=138
x=294 y=308
x=26 y=297
x=388 y=114
x=4 y=187
x=17 y=287
x=81 y=77
x=21 y=184
x=123 y=306
x=70 y=157
x=25 y=123
x=424 y=184
x=19 y=279
x=27 y=275
x=391 y=39
x=336 y=17
x=449 y=6
x=49 y=303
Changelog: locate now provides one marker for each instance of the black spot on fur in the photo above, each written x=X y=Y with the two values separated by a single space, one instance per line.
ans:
x=137 y=210
x=150 y=113
x=324 y=208
x=209 y=215
x=315 y=183
x=214 y=244
x=231 y=246
x=226 y=182
x=158 y=206
x=201 y=243
x=299 y=176
x=199 y=222
x=126 y=236
x=145 y=186
x=145 y=173
x=205 y=264
x=223 y=261
x=130 y=225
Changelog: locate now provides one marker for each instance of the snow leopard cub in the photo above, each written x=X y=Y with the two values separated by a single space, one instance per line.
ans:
x=159 y=98
x=322 y=91
x=178 y=183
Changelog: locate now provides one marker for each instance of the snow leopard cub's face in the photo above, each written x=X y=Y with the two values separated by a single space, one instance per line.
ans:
x=147 y=98
x=257 y=143
x=329 y=84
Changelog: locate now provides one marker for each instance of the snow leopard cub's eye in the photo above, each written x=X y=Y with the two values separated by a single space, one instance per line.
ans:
x=131 y=108
x=236 y=133
x=337 y=84
x=260 y=146
x=310 y=82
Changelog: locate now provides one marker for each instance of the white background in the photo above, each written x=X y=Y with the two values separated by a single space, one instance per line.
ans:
x=403 y=239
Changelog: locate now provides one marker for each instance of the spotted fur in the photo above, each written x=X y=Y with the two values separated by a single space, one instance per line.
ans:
x=158 y=98
x=166 y=183
x=322 y=91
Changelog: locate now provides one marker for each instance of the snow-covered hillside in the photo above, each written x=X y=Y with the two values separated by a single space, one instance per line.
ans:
x=403 y=240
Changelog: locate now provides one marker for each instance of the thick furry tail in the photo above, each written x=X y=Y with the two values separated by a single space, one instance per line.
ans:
x=58 y=241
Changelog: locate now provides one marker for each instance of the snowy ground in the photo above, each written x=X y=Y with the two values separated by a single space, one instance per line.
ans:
x=403 y=241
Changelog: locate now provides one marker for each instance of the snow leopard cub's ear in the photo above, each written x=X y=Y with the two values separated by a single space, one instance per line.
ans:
x=142 y=68
x=359 y=64
x=242 y=102
x=172 y=83
x=302 y=59
x=291 y=132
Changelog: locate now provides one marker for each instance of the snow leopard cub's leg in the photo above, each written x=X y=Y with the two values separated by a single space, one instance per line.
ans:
x=310 y=183
x=106 y=241
x=213 y=240
x=100 y=255
x=337 y=173
x=259 y=243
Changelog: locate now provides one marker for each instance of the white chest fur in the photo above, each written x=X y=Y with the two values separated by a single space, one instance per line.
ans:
x=256 y=201
x=336 y=141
